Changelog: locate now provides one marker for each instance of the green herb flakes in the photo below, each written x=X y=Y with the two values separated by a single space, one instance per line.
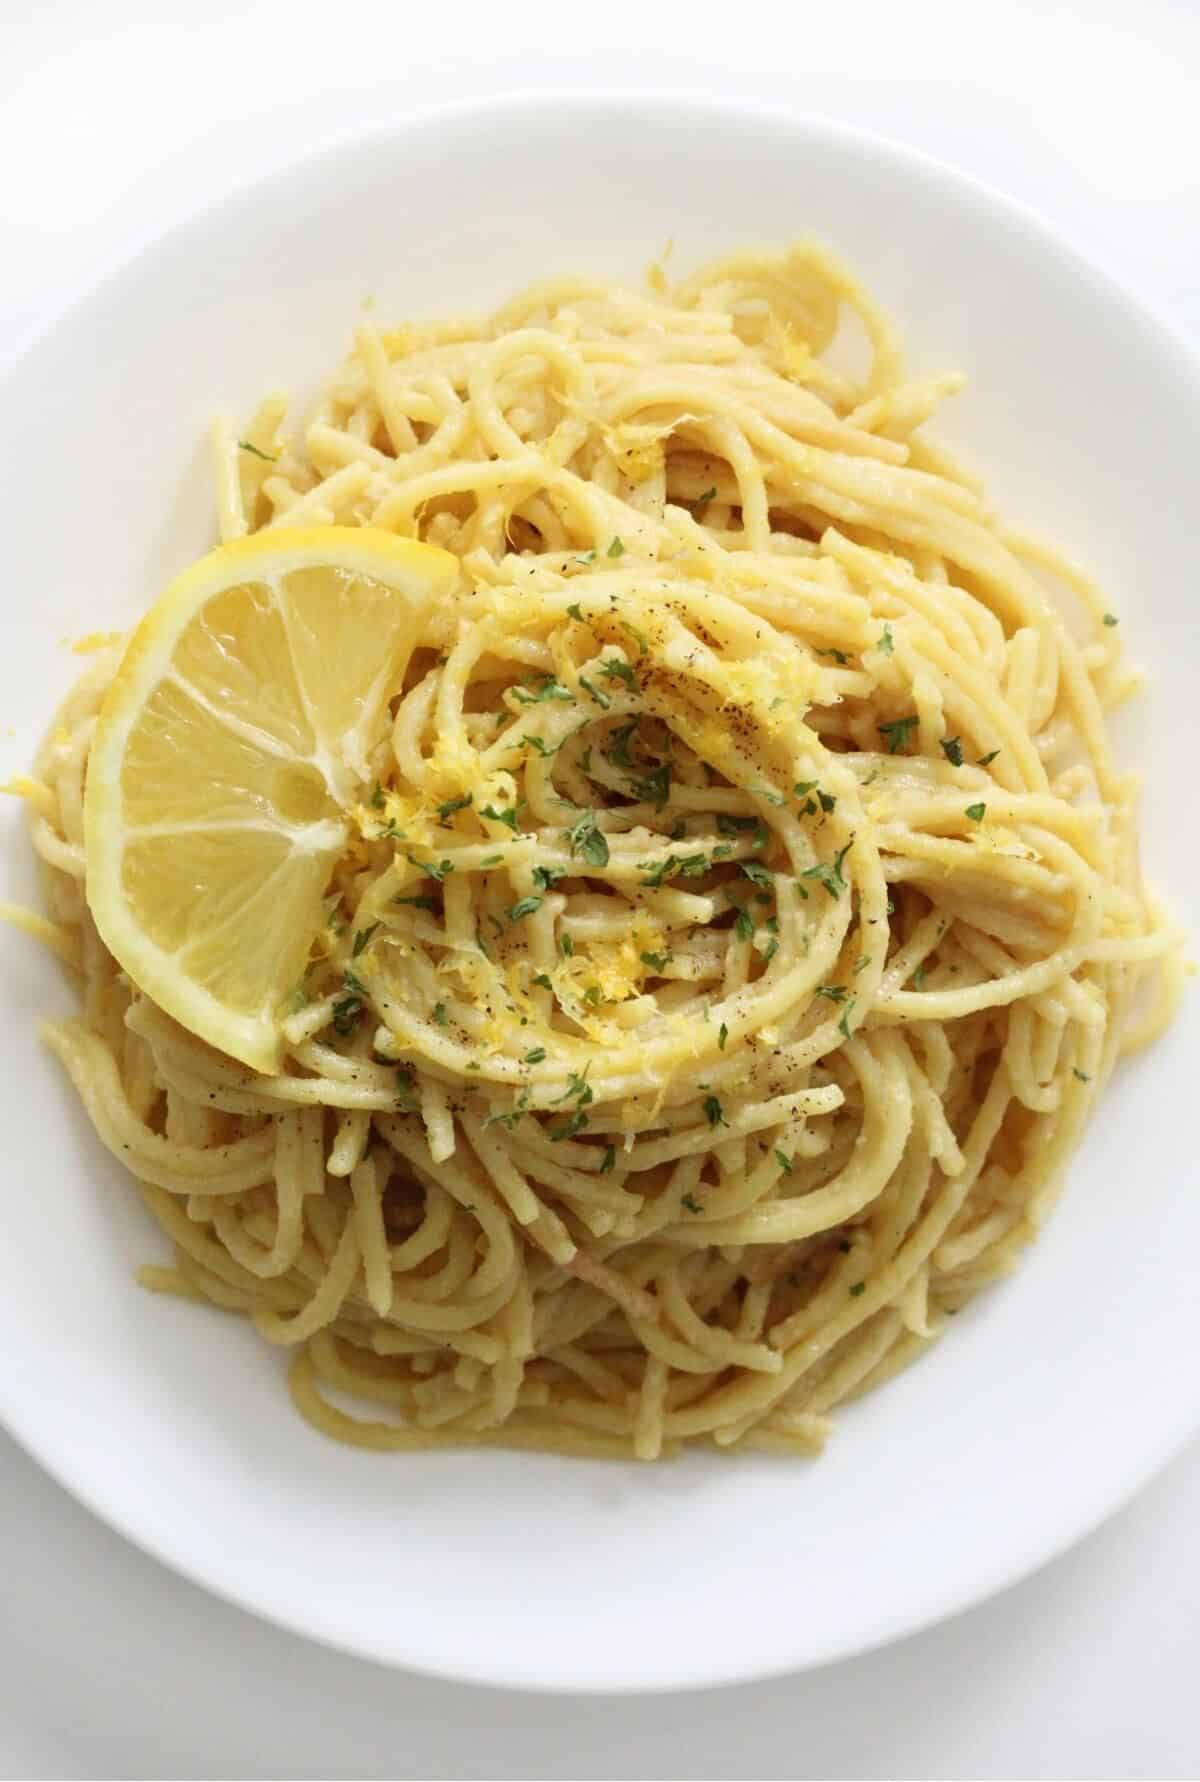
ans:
x=587 y=839
x=362 y=939
x=897 y=733
x=447 y=810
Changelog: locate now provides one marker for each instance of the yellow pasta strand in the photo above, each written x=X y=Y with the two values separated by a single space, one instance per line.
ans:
x=741 y=923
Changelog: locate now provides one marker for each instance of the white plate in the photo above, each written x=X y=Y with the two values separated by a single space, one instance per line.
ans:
x=1058 y=1393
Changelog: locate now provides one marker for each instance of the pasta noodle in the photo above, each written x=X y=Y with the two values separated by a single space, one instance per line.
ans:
x=741 y=920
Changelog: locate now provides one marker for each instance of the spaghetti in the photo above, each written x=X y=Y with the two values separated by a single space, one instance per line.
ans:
x=741 y=919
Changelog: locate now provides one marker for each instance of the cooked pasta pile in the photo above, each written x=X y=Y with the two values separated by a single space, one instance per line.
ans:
x=742 y=912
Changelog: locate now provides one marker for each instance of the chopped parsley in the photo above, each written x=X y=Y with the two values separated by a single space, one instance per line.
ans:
x=637 y=636
x=728 y=825
x=830 y=876
x=245 y=445
x=714 y=1112
x=802 y=788
x=952 y=750
x=602 y=699
x=610 y=1160
x=587 y=557
x=689 y=866
x=833 y=992
x=828 y=801
x=508 y=816
x=1111 y=619
x=536 y=1055
x=616 y=548
x=578 y=1089
x=1081 y=1074
x=657 y=961
x=451 y=805
x=376 y=799
x=362 y=939
x=838 y=655
x=524 y=906
x=515 y=1113
x=708 y=495
x=569 y=1127
x=757 y=875
x=618 y=744
x=421 y=903
x=433 y=869
x=898 y=732
x=844 y=1023
x=491 y=860
x=918 y=977
x=655 y=789
x=691 y=1203
x=348 y=1008
x=975 y=812
x=986 y=760
x=406 y=1100
x=857 y=1288
x=439 y=1014
x=784 y=1161
x=614 y=669
x=743 y=927
x=884 y=643
x=546 y=876
x=722 y=1036
x=566 y=945
x=575 y=611
x=543 y=748
x=543 y=982
x=546 y=688
x=589 y=840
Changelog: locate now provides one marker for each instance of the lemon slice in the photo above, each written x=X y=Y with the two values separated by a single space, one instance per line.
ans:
x=233 y=739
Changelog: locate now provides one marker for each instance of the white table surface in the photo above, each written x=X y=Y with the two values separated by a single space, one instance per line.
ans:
x=116 y=117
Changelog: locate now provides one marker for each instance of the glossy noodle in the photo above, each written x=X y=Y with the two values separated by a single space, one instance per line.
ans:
x=741 y=918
